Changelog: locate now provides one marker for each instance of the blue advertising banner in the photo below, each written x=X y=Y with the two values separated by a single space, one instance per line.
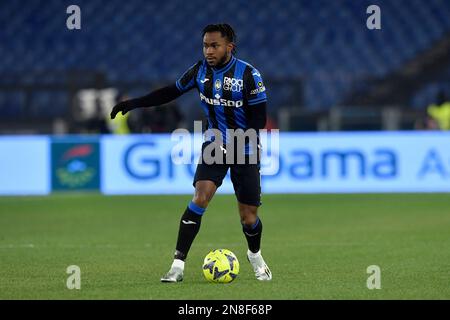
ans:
x=300 y=163
x=142 y=164
x=360 y=162
x=24 y=165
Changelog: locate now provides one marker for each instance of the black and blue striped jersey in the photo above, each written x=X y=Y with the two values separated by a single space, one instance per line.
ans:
x=226 y=94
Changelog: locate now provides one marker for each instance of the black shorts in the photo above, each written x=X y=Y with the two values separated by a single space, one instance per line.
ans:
x=246 y=178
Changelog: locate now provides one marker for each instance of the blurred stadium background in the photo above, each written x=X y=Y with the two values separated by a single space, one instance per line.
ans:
x=324 y=69
x=359 y=111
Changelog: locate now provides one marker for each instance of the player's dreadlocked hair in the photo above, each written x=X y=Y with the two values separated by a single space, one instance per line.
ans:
x=225 y=30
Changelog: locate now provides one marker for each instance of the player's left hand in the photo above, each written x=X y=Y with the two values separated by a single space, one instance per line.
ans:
x=120 y=107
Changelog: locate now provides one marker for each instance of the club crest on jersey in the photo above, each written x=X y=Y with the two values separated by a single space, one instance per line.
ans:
x=218 y=84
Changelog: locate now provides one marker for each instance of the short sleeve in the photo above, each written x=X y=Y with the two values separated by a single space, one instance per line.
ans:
x=187 y=81
x=255 y=91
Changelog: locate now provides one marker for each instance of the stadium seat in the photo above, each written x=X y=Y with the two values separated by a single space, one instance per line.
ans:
x=324 y=43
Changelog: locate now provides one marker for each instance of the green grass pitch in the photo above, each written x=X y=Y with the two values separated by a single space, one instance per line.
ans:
x=317 y=246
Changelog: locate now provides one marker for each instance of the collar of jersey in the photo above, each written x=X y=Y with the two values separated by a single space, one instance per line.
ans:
x=226 y=67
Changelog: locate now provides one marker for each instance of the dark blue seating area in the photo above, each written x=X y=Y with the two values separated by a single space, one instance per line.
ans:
x=323 y=42
x=430 y=93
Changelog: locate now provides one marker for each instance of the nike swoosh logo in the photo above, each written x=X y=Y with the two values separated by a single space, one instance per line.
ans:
x=188 y=222
x=203 y=81
x=251 y=235
x=256 y=74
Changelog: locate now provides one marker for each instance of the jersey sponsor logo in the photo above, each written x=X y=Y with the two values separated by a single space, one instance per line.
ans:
x=261 y=88
x=232 y=84
x=221 y=102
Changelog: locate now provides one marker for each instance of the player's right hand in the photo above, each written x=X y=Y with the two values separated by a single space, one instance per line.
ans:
x=120 y=107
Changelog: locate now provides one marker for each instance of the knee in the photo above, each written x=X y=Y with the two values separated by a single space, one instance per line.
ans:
x=201 y=199
x=248 y=216
x=249 y=220
x=204 y=191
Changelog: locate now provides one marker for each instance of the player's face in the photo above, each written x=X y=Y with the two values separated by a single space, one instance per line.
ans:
x=216 y=49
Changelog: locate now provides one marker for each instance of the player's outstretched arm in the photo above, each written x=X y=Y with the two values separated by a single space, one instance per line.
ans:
x=155 y=98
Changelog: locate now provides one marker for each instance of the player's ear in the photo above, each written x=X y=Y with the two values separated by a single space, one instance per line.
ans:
x=230 y=47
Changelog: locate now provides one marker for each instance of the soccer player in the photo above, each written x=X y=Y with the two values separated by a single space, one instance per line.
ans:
x=233 y=96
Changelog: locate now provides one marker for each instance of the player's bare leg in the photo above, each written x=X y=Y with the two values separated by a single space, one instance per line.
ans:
x=252 y=228
x=189 y=227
